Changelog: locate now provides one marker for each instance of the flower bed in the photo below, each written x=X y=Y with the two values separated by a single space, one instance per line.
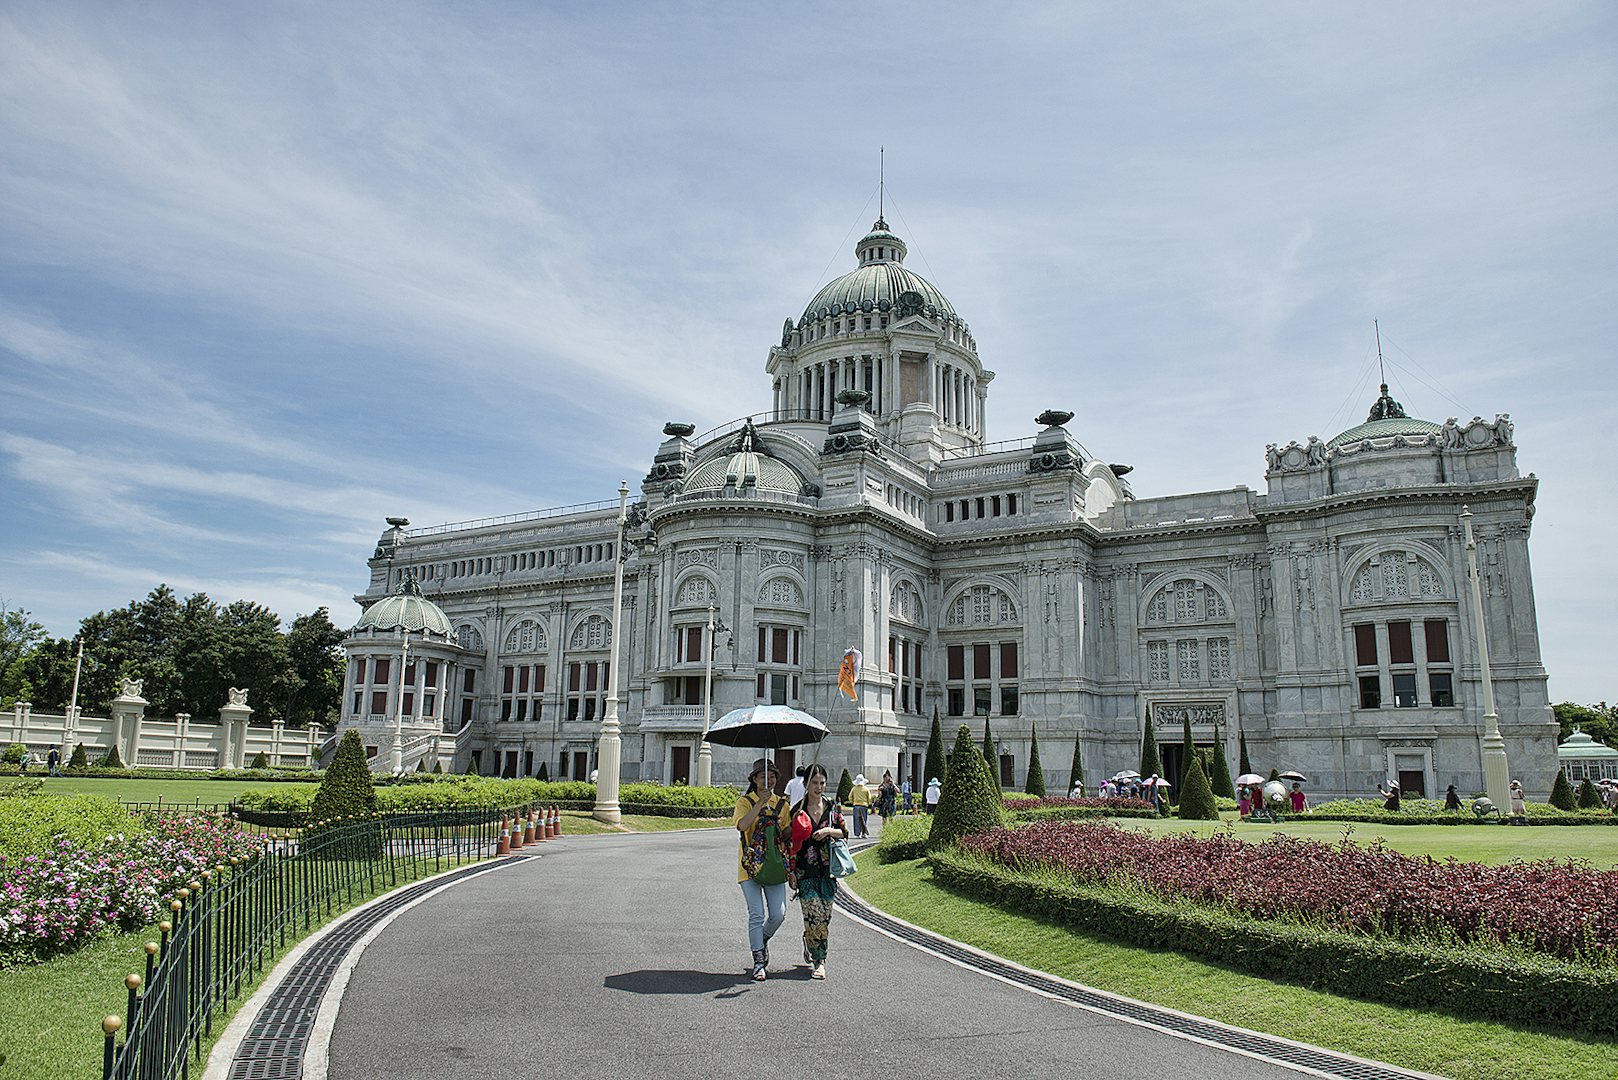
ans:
x=1556 y=909
x=59 y=900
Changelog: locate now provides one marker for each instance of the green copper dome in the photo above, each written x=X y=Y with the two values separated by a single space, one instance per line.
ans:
x=1387 y=419
x=745 y=468
x=880 y=283
x=405 y=610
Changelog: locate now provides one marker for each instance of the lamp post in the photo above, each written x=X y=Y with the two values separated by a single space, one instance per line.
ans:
x=609 y=747
x=704 y=751
x=396 y=757
x=1496 y=771
x=73 y=701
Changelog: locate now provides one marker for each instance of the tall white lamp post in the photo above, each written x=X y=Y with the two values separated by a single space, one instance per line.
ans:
x=396 y=759
x=609 y=747
x=73 y=701
x=1496 y=771
x=704 y=751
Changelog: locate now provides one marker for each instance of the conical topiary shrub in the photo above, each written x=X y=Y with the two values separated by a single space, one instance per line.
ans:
x=1562 y=792
x=1188 y=752
x=1242 y=758
x=111 y=759
x=80 y=761
x=438 y=768
x=1196 y=797
x=544 y=772
x=1150 y=763
x=936 y=762
x=1275 y=774
x=989 y=755
x=1219 y=778
x=260 y=760
x=1589 y=798
x=845 y=788
x=1036 y=774
x=970 y=801
x=1075 y=772
x=347 y=789
x=421 y=765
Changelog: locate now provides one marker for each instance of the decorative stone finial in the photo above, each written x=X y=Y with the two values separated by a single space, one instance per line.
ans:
x=676 y=430
x=853 y=397
x=1053 y=417
x=398 y=522
x=1386 y=408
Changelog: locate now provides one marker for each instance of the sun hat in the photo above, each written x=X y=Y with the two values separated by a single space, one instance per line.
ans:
x=760 y=765
x=860 y=779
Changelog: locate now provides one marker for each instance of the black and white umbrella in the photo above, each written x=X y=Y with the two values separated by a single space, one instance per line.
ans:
x=767 y=727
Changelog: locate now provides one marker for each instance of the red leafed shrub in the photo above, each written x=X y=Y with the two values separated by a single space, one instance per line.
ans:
x=1560 y=909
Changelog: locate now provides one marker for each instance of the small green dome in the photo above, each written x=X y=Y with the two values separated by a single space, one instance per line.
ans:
x=1386 y=419
x=405 y=610
x=745 y=468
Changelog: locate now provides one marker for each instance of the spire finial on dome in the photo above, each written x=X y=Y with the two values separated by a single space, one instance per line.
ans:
x=1386 y=408
x=408 y=585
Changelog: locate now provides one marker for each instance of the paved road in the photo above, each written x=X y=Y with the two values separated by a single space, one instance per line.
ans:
x=615 y=956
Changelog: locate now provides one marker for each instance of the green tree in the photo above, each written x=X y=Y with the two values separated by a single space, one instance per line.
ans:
x=1036 y=773
x=936 y=763
x=845 y=788
x=1075 y=772
x=260 y=760
x=1219 y=776
x=970 y=801
x=45 y=675
x=1242 y=758
x=1150 y=764
x=317 y=670
x=20 y=635
x=1189 y=751
x=1196 y=797
x=1599 y=721
x=111 y=759
x=1562 y=792
x=1589 y=798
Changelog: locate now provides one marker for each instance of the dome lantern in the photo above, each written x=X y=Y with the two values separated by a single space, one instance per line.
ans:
x=406 y=610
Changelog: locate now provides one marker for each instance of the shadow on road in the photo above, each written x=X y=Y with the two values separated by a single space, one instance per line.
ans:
x=675 y=982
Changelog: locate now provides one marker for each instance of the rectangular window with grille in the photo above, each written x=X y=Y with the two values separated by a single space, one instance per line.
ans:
x=983 y=675
x=778 y=656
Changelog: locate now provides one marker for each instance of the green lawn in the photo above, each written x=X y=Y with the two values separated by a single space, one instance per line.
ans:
x=1428 y=1042
x=1595 y=844
x=175 y=791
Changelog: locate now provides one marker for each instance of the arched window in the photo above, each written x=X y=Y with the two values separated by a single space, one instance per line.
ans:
x=780 y=591
x=982 y=605
x=526 y=637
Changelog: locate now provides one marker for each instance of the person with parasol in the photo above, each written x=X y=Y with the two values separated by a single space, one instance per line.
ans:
x=763 y=818
x=764 y=821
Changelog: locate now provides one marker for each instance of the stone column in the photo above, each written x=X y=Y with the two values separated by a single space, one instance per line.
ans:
x=128 y=709
x=233 y=718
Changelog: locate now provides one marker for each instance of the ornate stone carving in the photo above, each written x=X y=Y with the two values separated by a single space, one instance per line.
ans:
x=688 y=557
x=780 y=557
x=675 y=430
x=1053 y=418
x=1167 y=714
x=780 y=591
x=982 y=605
x=235 y=695
x=132 y=688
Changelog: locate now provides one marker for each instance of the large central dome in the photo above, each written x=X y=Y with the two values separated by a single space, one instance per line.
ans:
x=880 y=283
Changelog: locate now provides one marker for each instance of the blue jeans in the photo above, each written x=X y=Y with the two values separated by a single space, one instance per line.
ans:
x=860 y=828
x=760 y=930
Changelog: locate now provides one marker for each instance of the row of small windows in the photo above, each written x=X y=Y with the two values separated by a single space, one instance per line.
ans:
x=865 y=324
x=982 y=506
x=1390 y=669
x=522 y=560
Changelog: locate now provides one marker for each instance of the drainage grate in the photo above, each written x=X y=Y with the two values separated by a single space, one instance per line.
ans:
x=274 y=1046
x=1320 y=1061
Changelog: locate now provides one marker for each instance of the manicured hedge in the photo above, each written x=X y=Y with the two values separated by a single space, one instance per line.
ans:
x=1431 y=812
x=1465 y=980
x=33 y=823
x=1057 y=808
x=903 y=838
x=459 y=792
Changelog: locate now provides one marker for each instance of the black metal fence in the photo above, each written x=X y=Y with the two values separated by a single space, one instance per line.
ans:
x=223 y=927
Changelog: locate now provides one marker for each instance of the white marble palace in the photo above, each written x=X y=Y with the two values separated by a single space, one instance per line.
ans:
x=1329 y=617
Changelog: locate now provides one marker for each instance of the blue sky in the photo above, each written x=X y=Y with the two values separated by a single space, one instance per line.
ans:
x=269 y=273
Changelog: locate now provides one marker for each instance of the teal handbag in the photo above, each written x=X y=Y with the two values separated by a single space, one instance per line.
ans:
x=842 y=863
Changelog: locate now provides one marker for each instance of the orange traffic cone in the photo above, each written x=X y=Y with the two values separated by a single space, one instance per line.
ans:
x=504 y=847
x=556 y=821
x=528 y=828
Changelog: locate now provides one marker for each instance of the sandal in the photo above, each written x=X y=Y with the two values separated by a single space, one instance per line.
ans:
x=818 y=971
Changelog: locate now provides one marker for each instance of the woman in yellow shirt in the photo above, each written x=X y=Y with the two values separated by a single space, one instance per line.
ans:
x=859 y=797
x=763 y=860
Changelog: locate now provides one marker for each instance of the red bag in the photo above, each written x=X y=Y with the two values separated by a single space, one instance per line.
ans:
x=802 y=829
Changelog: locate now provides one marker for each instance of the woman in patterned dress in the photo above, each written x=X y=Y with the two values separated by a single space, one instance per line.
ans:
x=816 y=886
